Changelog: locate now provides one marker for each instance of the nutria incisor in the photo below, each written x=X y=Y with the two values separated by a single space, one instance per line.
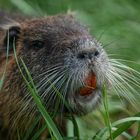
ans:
x=58 y=51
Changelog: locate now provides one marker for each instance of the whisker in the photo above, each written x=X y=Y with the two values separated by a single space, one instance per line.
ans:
x=65 y=91
x=122 y=78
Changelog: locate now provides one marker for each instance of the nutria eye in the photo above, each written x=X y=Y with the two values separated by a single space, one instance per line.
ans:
x=37 y=44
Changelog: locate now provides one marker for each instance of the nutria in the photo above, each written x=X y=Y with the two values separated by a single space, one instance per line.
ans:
x=56 y=49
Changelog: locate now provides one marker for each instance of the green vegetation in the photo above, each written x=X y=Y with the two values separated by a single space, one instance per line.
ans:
x=116 y=24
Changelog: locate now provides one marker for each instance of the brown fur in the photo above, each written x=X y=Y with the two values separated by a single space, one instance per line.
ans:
x=11 y=93
x=58 y=34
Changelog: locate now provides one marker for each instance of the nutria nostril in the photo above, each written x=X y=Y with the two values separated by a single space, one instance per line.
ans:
x=88 y=54
x=96 y=53
x=82 y=55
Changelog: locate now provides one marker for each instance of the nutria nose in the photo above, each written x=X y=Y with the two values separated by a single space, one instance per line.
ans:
x=88 y=54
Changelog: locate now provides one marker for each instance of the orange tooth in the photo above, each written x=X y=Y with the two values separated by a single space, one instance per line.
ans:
x=90 y=82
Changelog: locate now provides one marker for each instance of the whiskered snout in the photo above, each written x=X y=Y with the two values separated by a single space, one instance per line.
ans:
x=86 y=63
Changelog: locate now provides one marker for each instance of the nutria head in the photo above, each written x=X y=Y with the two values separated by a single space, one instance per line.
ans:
x=59 y=51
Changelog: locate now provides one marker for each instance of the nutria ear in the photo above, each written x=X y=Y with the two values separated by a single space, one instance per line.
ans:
x=11 y=35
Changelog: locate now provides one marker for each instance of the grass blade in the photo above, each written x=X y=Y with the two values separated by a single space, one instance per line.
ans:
x=33 y=91
x=105 y=102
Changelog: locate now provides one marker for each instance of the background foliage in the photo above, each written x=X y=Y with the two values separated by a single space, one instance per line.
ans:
x=116 y=23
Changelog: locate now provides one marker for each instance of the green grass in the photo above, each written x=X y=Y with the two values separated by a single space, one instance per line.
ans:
x=32 y=88
x=117 y=25
x=5 y=67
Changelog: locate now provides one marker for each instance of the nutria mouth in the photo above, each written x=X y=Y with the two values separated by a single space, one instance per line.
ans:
x=92 y=94
x=89 y=90
x=90 y=85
